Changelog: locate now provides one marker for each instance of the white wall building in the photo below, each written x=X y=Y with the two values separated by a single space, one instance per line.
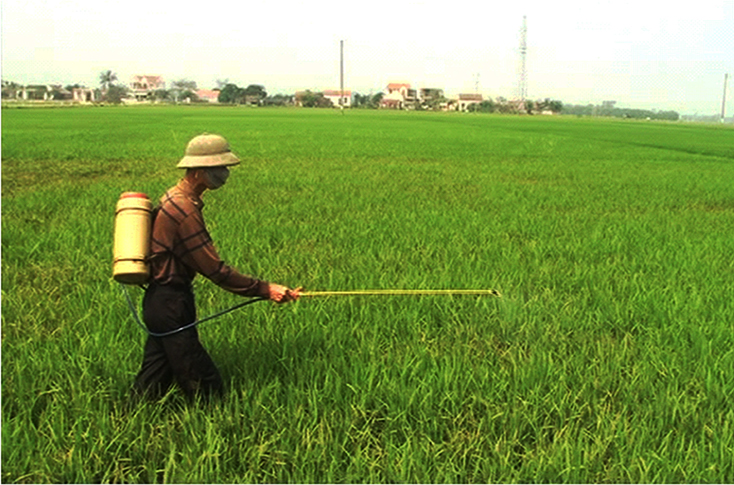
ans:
x=143 y=85
x=335 y=96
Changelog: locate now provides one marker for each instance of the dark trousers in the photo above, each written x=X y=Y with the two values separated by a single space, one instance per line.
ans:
x=179 y=357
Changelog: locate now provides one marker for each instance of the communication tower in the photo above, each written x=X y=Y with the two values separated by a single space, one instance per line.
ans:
x=523 y=87
x=723 y=101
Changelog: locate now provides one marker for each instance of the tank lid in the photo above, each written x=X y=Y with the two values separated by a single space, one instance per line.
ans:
x=139 y=195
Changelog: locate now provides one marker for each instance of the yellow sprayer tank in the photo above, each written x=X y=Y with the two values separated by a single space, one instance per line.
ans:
x=132 y=238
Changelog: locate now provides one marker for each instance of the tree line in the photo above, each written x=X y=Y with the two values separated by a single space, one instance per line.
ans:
x=505 y=106
x=608 y=109
x=184 y=90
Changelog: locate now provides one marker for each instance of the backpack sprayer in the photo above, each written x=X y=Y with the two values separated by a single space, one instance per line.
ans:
x=133 y=220
x=131 y=250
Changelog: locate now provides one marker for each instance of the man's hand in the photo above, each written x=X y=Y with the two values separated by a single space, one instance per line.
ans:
x=283 y=294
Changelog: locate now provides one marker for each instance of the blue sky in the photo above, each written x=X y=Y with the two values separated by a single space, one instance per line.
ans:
x=639 y=53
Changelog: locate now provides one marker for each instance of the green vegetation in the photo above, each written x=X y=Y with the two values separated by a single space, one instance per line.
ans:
x=608 y=359
x=607 y=109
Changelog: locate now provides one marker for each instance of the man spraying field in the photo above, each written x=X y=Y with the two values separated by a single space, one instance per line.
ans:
x=180 y=248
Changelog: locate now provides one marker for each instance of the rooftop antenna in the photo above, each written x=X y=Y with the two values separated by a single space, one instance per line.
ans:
x=723 y=101
x=523 y=54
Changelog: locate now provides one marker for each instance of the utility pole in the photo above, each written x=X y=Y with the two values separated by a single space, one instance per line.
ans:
x=341 y=74
x=723 y=101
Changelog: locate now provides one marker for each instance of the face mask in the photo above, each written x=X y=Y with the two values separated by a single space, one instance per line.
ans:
x=216 y=177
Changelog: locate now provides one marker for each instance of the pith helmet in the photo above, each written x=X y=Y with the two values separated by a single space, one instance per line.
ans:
x=207 y=150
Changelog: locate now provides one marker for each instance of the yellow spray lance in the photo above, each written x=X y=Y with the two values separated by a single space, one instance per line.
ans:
x=401 y=293
x=310 y=294
x=133 y=218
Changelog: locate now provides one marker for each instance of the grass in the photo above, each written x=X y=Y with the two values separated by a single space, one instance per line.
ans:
x=608 y=359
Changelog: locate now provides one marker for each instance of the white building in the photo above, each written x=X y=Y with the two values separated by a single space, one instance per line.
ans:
x=465 y=100
x=142 y=85
x=208 y=95
x=335 y=96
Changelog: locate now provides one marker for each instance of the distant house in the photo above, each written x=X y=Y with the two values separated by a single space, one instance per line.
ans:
x=141 y=86
x=430 y=94
x=60 y=93
x=48 y=92
x=335 y=96
x=401 y=87
x=393 y=100
x=84 y=95
x=402 y=96
x=409 y=96
x=309 y=98
x=208 y=95
x=466 y=100
x=34 y=92
x=37 y=92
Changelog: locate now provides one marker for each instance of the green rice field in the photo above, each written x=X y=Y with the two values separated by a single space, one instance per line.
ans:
x=609 y=356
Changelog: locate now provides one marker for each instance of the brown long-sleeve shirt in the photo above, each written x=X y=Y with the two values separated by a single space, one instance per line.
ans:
x=181 y=247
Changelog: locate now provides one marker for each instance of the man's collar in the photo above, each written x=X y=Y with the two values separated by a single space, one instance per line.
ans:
x=185 y=187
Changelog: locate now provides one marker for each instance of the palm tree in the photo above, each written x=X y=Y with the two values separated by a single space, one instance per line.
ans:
x=107 y=79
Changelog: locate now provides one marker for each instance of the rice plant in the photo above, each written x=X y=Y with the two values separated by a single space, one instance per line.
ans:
x=608 y=357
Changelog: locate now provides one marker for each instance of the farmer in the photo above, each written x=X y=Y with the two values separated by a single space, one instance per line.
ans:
x=180 y=248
